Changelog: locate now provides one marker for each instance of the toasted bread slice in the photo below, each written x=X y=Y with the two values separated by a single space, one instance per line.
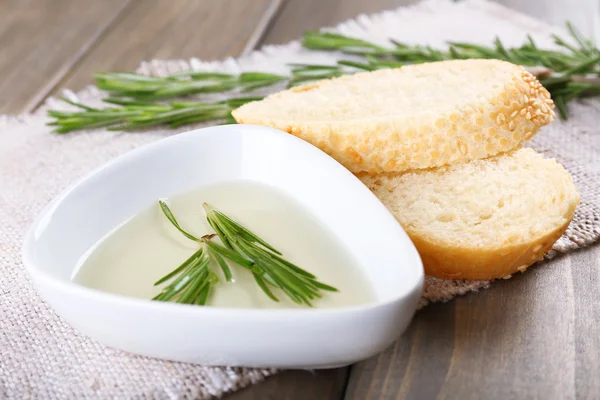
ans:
x=417 y=116
x=484 y=219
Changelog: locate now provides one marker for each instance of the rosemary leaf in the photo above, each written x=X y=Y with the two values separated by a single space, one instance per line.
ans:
x=358 y=65
x=230 y=254
x=500 y=49
x=198 y=76
x=203 y=296
x=238 y=229
x=194 y=286
x=185 y=264
x=560 y=105
x=585 y=65
x=77 y=104
x=167 y=211
x=259 y=280
x=334 y=41
x=220 y=233
x=222 y=264
x=260 y=77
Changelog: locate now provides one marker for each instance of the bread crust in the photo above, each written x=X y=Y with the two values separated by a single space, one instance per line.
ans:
x=492 y=124
x=447 y=262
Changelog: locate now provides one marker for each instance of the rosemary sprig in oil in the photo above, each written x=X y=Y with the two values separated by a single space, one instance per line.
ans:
x=193 y=281
x=269 y=268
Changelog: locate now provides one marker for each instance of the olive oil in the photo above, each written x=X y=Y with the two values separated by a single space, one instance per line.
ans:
x=146 y=247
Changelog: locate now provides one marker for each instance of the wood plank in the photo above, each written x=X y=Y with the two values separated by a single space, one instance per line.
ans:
x=534 y=336
x=299 y=16
x=41 y=39
x=586 y=284
x=157 y=29
x=426 y=346
x=293 y=384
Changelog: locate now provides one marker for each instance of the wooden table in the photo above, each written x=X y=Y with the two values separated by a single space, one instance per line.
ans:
x=534 y=336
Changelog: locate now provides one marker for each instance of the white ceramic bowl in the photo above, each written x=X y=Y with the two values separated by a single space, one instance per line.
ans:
x=294 y=338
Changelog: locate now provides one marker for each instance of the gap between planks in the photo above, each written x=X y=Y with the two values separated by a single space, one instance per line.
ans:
x=58 y=77
x=263 y=26
x=254 y=40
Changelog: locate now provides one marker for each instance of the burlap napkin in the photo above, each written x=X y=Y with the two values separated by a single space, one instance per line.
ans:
x=43 y=357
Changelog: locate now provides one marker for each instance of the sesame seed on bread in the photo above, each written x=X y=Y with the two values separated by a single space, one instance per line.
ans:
x=414 y=117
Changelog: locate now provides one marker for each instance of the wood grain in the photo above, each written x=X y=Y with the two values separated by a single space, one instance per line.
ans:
x=298 y=16
x=425 y=347
x=290 y=385
x=158 y=29
x=585 y=266
x=41 y=39
x=536 y=336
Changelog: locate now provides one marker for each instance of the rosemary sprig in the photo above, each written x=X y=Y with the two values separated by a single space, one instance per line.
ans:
x=145 y=87
x=136 y=114
x=192 y=281
x=569 y=72
x=269 y=268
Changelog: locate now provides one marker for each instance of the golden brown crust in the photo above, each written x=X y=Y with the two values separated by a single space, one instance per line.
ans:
x=483 y=264
x=478 y=130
